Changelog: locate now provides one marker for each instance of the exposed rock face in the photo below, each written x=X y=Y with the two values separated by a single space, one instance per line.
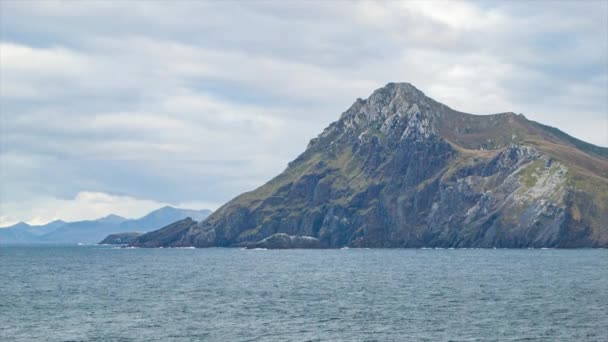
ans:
x=402 y=170
x=120 y=238
x=284 y=241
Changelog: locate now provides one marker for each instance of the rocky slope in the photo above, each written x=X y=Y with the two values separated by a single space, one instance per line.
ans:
x=402 y=170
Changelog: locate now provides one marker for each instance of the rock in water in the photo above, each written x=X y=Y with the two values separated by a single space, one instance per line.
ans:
x=402 y=170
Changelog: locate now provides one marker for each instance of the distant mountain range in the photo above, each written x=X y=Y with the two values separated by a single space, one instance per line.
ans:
x=399 y=169
x=93 y=231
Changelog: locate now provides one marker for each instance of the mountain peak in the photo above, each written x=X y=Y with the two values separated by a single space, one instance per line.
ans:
x=112 y=218
x=392 y=113
x=166 y=210
x=394 y=98
x=19 y=225
x=402 y=89
x=400 y=111
x=399 y=169
x=177 y=213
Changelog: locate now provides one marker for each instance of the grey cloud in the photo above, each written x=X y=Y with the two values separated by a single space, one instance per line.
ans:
x=199 y=101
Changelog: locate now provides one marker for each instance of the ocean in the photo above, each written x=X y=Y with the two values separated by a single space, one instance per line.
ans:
x=100 y=293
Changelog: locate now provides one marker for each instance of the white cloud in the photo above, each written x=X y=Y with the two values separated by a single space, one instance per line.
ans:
x=199 y=102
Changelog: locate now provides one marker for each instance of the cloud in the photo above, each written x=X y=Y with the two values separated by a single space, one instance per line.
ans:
x=200 y=101
x=86 y=204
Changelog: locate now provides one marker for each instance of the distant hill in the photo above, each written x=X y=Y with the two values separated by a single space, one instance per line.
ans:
x=93 y=231
x=399 y=169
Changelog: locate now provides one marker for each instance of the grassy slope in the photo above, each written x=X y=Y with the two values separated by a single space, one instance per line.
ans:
x=587 y=177
x=491 y=132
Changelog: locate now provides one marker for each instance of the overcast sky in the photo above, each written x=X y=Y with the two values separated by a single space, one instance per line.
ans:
x=121 y=107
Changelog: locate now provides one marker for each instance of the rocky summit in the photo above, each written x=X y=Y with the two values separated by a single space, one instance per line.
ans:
x=399 y=169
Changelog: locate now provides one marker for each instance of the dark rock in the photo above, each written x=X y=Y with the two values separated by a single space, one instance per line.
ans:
x=120 y=238
x=284 y=241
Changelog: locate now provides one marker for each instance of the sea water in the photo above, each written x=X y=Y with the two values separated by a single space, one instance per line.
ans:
x=96 y=293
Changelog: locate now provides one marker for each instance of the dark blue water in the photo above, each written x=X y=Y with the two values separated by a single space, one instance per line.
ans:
x=105 y=294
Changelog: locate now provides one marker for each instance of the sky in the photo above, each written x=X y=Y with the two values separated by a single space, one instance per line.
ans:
x=125 y=106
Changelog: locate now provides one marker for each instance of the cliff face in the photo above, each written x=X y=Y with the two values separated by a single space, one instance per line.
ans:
x=402 y=170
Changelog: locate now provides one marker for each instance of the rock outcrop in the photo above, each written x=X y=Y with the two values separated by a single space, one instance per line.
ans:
x=284 y=241
x=402 y=170
x=120 y=238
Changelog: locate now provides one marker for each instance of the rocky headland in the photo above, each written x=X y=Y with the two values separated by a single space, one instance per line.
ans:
x=399 y=169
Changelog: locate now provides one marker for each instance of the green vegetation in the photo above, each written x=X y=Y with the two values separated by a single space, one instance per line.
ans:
x=528 y=176
x=249 y=232
x=592 y=193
